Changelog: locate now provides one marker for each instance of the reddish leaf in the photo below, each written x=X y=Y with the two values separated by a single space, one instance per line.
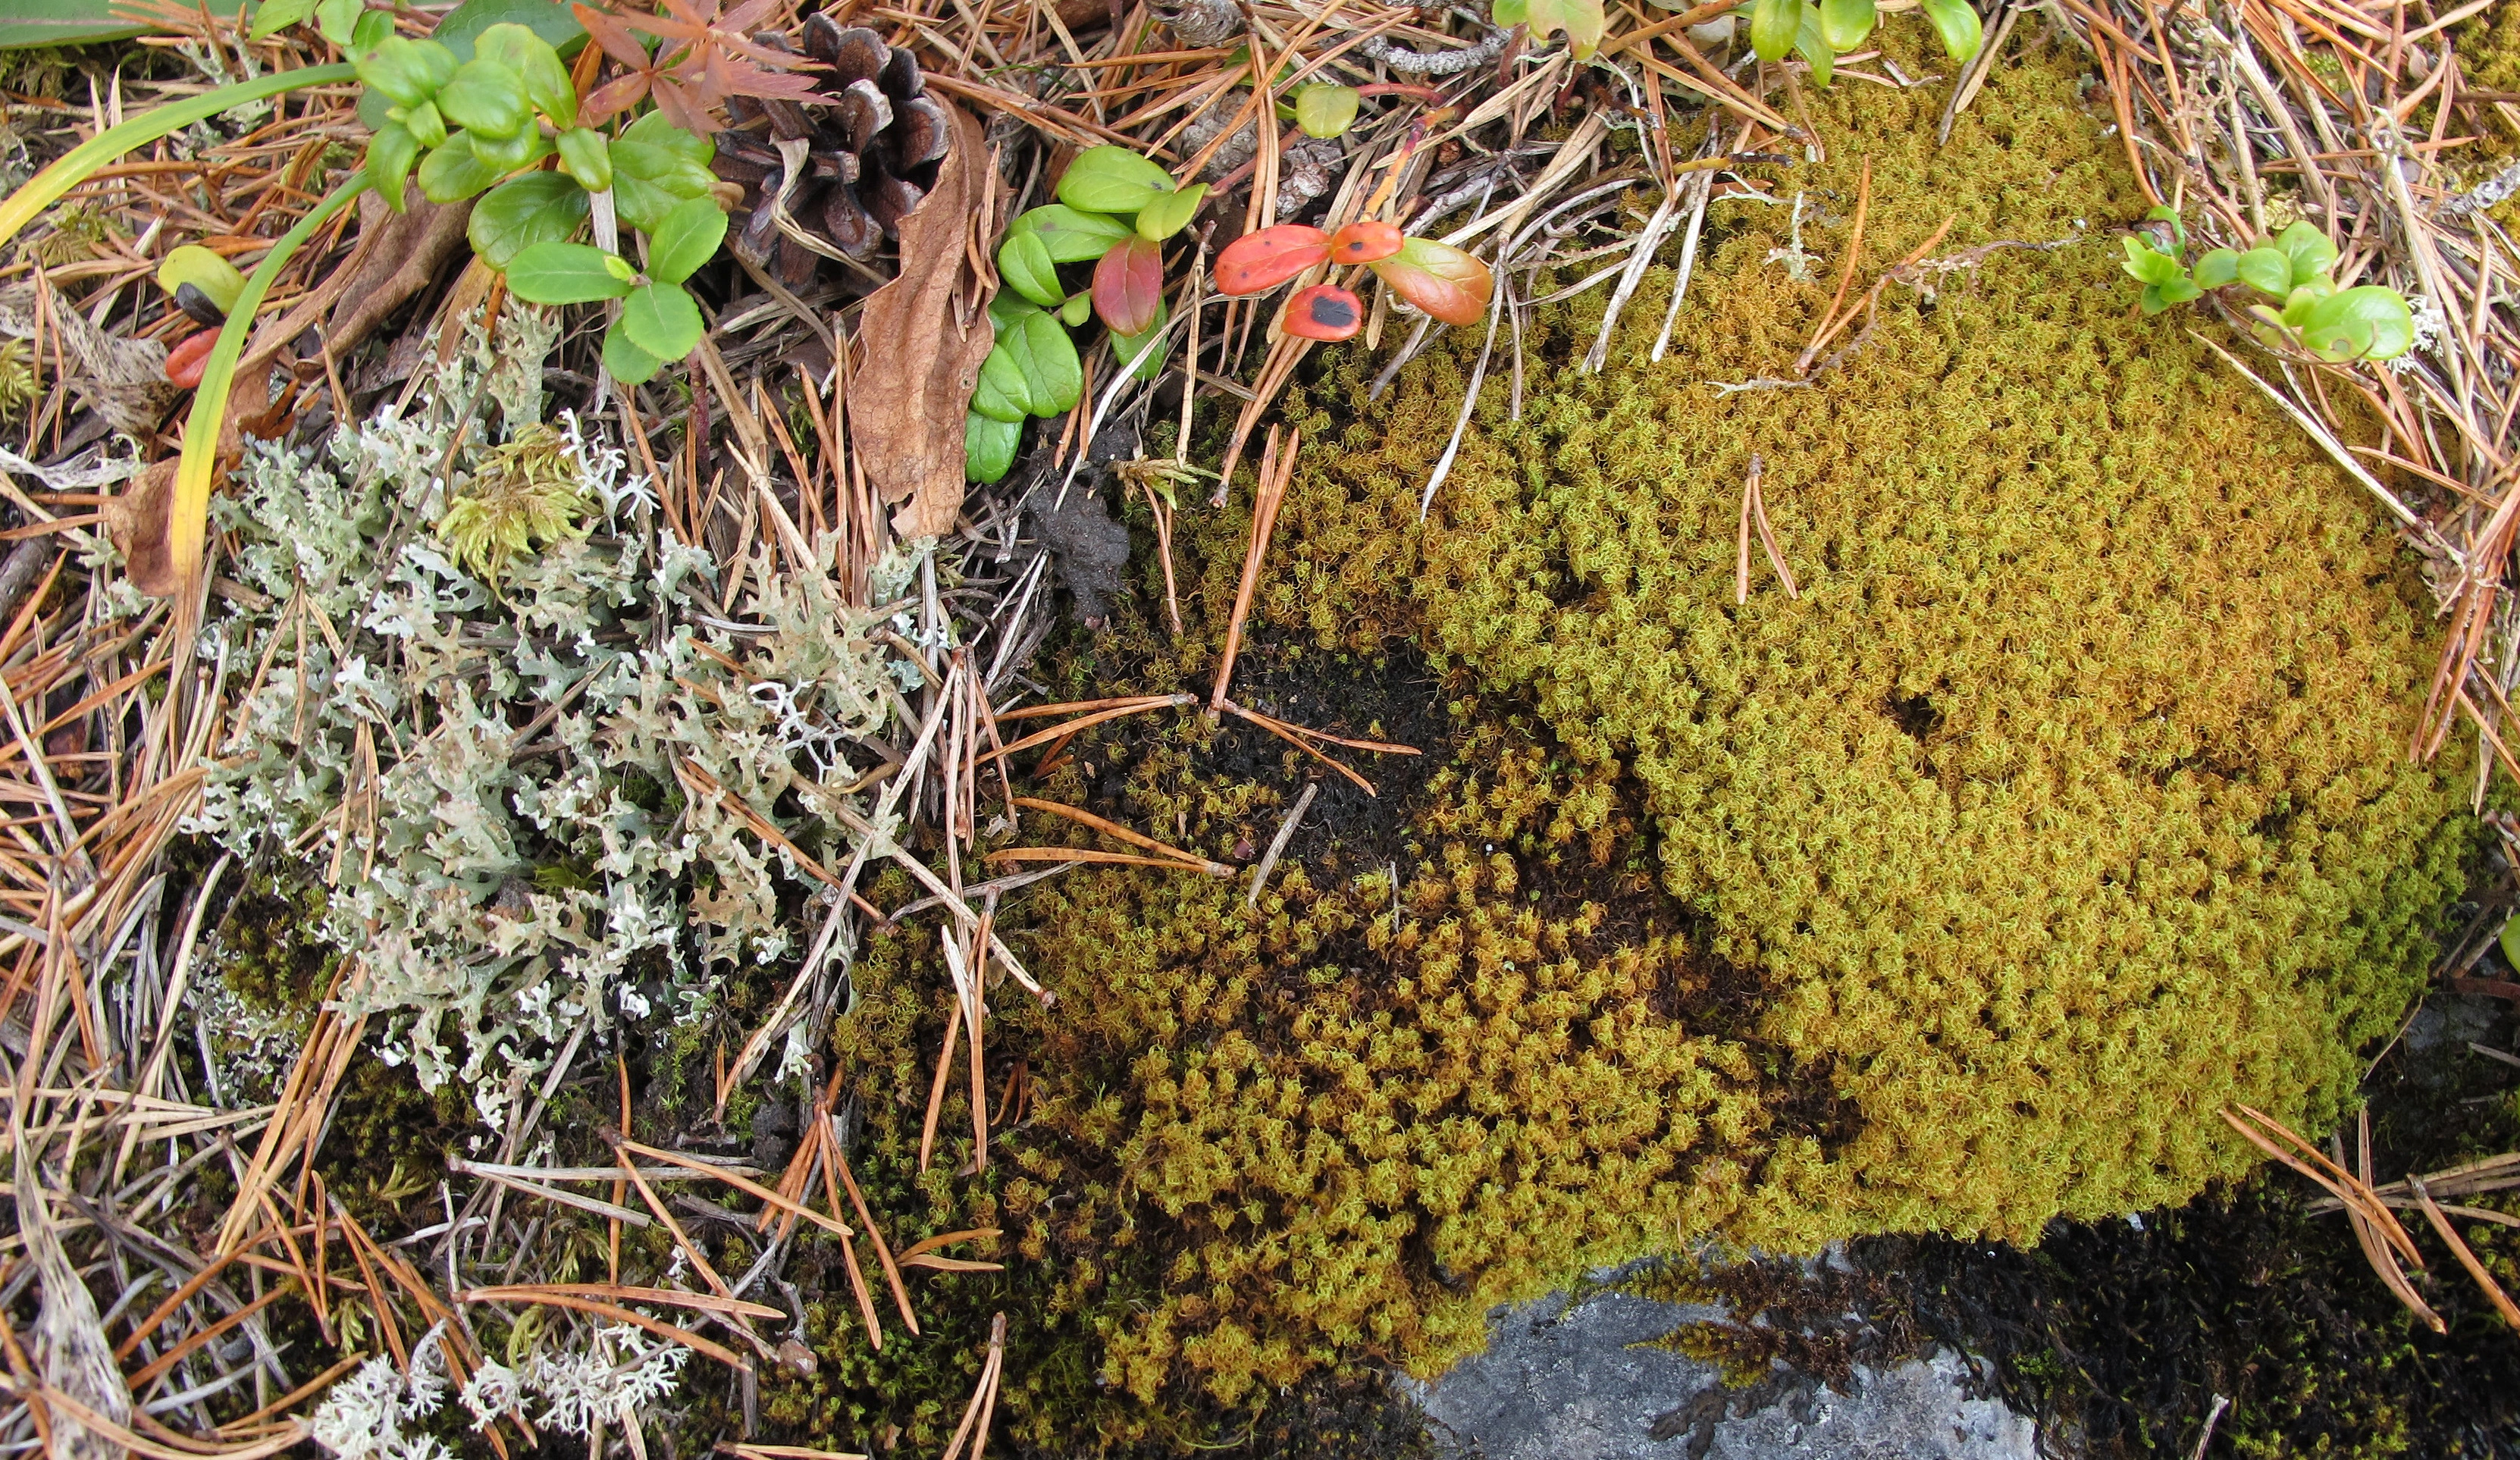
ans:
x=1128 y=285
x=682 y=106
x=1364 y=243
x=1439 y=279
x=1269 y=257
x=705 y=57
x=617 y=95
x=613 y=36
x=184 y=362
x=1323 y=312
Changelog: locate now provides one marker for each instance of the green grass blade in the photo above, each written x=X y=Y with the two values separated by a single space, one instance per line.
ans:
x=187 y=518
x=84 y=160
x=64 y=22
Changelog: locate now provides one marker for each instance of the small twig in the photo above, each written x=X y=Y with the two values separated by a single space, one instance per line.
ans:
x=1286 y=732
x=984 y=1395
x=1276 y=468
x=2212 y=1416
x=1277 y=844
x=1084 y=818
x=1845 y=273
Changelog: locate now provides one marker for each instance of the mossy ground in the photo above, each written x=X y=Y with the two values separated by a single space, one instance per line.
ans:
x=2067 y=804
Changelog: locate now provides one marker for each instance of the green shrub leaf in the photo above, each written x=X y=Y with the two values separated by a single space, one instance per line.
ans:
x=1001 y=376
x=1844 y=24
x=2216 y=267
x=1958 y=25
x=1170 y=213
x=485 y=99
x=648 y=179
x=1053 y=377
x=1580 y=20
x=277 y=15
x=2148 y=263
x=1026 y=264
x=2266 y=270
x=555 y=273
x=2368 y=323
x=1324 y=110
x=627 y=362
x=540 y=207
x=549 y=19
x=407 y=72
x=1112 y=180
x=585 y=155
x=1002 y=392
x=538 y=66
x=390 y=154
x=989 y=446
x=1071 y=237
x=653 y=130
x=2311 y=252
x=452 y=173
x=203 y=270
x=505 y=155
x=1138 y=353
x=1773 y=25
x=336 y=21
x=686 y=238
x=1815 y=51
x=662 y=320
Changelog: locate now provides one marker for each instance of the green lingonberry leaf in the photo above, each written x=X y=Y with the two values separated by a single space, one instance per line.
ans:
x=1112 y=180
x=686 y=238
x=539 y=207
x=662 y=319
x=559 y=273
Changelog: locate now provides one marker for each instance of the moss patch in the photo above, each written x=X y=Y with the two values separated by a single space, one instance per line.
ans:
x=2066 y=805
x=2069 y=803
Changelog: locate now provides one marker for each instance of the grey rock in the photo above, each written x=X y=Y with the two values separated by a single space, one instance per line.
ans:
x=1572 y=1381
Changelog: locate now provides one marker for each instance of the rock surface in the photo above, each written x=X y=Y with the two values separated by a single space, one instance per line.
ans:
x=1561 y=1382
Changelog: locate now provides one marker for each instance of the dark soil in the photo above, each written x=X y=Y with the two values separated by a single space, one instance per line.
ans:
x=2118 y=1335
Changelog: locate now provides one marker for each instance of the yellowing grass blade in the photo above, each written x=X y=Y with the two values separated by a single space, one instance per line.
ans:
x=185 y=519
x=82 y=162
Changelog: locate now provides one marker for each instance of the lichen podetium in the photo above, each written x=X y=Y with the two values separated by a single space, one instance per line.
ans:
x=2069 y=803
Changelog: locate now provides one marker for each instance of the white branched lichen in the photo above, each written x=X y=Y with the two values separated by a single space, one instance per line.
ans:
x=495 y=782
x=374 y=1414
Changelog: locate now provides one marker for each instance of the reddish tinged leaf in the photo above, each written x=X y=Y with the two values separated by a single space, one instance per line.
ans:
x=1443 y=281
x=613 y=36
x=1323 y=312
x=185 y=362
x=617 y=95
x=1267 y=258
x=681 y=107
x=705 y=58
x=1129 y=287
x=1364 y=243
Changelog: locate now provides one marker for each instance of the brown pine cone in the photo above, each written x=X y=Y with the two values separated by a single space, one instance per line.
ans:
x=871 y=147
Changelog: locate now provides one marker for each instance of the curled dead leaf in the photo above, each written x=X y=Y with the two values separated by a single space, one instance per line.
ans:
x=921 y=342
x=135 y=517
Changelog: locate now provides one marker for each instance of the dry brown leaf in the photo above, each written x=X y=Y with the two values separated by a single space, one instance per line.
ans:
x=135 y=517
x=398 y=256
x=921 y=342
x=125 y=380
